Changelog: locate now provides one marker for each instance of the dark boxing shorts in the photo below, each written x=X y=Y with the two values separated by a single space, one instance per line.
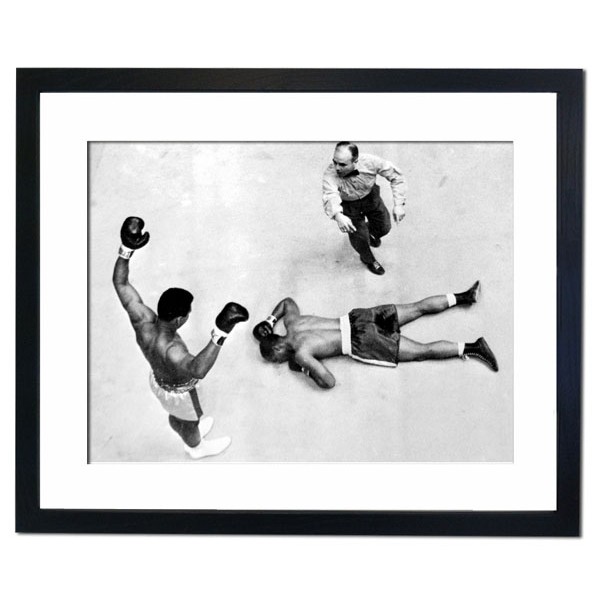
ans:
x=372 y=335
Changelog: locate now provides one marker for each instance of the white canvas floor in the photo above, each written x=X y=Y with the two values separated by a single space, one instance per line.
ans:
x=244 y=222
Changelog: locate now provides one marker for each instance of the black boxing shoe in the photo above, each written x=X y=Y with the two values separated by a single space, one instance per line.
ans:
x=470 y=296
x=374 y=241
x=374 y=267
x=481 y=351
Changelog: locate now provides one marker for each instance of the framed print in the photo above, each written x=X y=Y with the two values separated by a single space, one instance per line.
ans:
x=215 y=268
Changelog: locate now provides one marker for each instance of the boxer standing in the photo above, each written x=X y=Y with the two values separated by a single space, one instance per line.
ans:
x=175 y=371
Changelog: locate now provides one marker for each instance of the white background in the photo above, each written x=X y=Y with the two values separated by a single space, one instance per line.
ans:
x=182 y=34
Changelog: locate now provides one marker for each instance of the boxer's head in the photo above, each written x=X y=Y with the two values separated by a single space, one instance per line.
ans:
x=175 y=303
x=275 y=349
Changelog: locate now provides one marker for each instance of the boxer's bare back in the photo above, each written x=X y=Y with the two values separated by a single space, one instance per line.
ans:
x=319 y=336
x=165 y=351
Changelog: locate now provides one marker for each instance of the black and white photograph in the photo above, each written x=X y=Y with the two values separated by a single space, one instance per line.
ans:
x=330 y=301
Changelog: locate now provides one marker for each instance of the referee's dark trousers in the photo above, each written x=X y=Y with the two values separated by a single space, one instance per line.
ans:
x=370 y=216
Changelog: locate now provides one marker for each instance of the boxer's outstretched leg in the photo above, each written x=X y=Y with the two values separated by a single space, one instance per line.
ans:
x=436 y=304
x=409 y=350
x=427 y=306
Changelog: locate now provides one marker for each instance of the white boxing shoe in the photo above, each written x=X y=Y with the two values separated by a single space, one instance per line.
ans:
x=209 y=447
x=205 y=425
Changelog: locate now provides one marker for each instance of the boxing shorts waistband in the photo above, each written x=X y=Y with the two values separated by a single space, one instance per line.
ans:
x=346 y=340
x=179 y=388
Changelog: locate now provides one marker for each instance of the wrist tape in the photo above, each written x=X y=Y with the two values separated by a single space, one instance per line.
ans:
x=271 y=320
x=125 y=252
x=217 y=336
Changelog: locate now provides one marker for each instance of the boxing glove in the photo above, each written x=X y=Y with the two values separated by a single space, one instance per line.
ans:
x=294 y=366
x=232 y=314
x=132 y=237
x=264 y=328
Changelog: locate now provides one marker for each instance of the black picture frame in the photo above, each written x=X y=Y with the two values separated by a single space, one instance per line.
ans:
x=568 y=86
